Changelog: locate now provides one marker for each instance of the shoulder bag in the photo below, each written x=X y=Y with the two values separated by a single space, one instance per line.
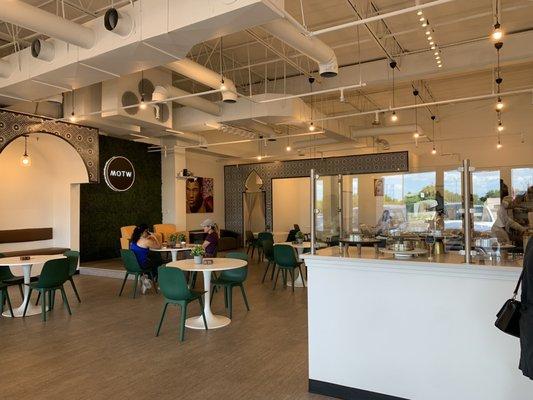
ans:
x=508 y=318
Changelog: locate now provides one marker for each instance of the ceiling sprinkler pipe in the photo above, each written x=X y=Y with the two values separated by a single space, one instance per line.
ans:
x=118 y=22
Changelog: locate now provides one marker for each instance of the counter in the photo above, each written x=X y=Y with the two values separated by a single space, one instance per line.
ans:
x=410 y=329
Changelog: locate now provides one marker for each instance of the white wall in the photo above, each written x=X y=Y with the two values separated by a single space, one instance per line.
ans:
x=40 y=196
x=291 y=204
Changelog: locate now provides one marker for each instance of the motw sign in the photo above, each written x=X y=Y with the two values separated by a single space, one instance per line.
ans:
x=119 y=173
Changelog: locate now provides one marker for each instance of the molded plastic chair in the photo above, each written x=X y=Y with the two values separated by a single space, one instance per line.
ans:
x=286 y=260
x=7 y=277
x=231 y=278
x=53 y=276
x=173 y=285
x=260 y=237
x=133 y=268
x=251 y=242
x=73 y=258
x=268 y=251
x=4 y=296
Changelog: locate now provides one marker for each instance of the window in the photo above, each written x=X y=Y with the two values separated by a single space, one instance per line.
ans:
x=350 y=203
x=521 y=180
x=452 y=199
x=410 y=198
x=486 y=197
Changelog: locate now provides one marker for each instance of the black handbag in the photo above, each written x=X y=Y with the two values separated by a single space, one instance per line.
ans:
x=508 y=318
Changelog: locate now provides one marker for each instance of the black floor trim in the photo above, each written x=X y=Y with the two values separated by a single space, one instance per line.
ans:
x=346 y=393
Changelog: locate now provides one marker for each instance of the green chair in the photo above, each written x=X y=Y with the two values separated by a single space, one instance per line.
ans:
x=251 y=243
x=4 y=296
x=52 y=278
x=7 y=277
x=229 y=279
x=261 y=236
x=73 y=258
x=133 y=268
x=268 y=251
x=286 y=261
x=173 y=285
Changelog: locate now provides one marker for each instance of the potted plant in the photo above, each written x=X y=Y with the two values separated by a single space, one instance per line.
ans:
x=299 y=237
x=182 y=239
x=172 y=239
x=198 y=253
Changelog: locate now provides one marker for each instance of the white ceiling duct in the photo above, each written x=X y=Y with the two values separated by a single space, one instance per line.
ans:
x=308 y=45
x=166 y=92
x=199 y=73
x=387 y=130
x=33 y=18
x=118 y=22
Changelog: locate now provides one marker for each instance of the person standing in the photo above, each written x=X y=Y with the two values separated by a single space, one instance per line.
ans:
x=526 y=319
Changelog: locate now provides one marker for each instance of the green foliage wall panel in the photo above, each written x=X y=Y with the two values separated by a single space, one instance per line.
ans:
x=103 y=211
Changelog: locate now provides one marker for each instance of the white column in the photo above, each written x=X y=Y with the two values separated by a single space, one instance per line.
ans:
x=173 y=190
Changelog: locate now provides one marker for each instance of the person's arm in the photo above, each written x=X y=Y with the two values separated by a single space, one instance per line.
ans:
x=205 y=244
x=154 y=241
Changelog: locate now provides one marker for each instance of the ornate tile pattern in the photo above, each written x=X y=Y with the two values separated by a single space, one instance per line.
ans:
x=84 y=139
x=235 y=177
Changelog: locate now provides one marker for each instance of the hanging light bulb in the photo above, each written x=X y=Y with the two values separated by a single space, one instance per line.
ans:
x=142 y=106
x=497 y=33
x=499 y=145
x=25 y=160
x=394 y=117
x=430 y=38
x=419 y=12
x=416 y=135
x=500 y=126
x=259 y=158
x=434 y=150
x=72 y=117
x=428 y=32
x=312 y=127
x=421 y=19
x=223 y=85
x=499 y=104
x=288 y=148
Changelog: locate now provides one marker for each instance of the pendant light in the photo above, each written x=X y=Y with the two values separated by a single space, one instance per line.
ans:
x=72 y=117
x=288 y=148
x=142 y=105
x=416 y=135
x=497 y=32
x=434 y=150
x=25 y=160
x=222 y=84
x=393 y=117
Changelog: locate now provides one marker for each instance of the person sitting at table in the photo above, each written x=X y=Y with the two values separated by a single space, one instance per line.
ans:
x=385 y=223
x=142 y=240
x=210 y=243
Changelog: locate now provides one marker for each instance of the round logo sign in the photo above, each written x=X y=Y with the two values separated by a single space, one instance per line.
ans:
x=119 y=173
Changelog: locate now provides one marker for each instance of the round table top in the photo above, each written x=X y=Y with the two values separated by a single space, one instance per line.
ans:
x=303 y=245
x=38 y=259
x=187 y=247
x=219 y=264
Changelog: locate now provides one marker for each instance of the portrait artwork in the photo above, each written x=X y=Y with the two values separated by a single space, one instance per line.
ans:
x=199 y=195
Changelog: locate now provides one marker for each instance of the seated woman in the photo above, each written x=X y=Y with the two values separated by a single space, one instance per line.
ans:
x=142 y=240
x=210 y=243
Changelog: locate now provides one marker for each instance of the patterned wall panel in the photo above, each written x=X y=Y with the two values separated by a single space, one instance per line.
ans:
x=82 y=138
x=235 y=177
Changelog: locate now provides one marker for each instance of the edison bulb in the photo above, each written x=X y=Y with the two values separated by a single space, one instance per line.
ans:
x=394 y=117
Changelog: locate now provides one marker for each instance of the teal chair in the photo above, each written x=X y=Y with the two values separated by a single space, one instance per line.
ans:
x=133 y=268
x=261 y=236
x=4 y=297
x=268 y=251
x=286 y=261
x=52 y=278
x=73 y=258
x=251 y=243
x=229 y=279
x=173 y=285
x=7 y=277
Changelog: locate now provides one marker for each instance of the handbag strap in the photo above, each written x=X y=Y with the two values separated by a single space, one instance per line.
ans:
x=515 y=293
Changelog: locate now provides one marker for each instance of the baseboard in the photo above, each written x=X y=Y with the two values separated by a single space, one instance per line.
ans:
x=346 y=392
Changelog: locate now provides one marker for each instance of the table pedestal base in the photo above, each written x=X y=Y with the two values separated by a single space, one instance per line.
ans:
x=17 y=312
x=213 y=322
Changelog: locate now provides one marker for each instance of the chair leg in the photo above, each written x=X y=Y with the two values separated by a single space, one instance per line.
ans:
x=135 y=285
x=65 y=299
x=161 y=319
x=123 y=283
x=38 y=297
x=50 y=300
x=183 y=316
x=213 y=291
x=276 y=281
x=43 y=306
x=302 y=275
x=2 y=300
x=253 y=249
x=284 y=276
x=4 y=297
x=202 y=309
x=265 y=274
x=9 y=304
x=75 y=290
x=244 y=297
x=230 y=300
x=292 y=278
x=226 y=297
x=152 y=278
x=26 y=306
x=273 y=269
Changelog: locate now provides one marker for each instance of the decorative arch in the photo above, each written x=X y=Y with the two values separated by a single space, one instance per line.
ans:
x=83 y=138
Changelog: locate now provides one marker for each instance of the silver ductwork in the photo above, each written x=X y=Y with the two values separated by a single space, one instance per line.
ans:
x=42 y=50
x=311 y=46
x=118 y=22
x=37 y=20
x=168 y=92
x=199 y=73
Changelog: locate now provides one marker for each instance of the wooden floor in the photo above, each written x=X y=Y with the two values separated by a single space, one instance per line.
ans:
x=107 y=348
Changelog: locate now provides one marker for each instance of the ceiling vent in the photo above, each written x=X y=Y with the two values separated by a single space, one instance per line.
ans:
x=118 y=22
x=42 y=50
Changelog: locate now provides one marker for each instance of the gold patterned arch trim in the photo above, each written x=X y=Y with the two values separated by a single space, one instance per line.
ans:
x=83 y=138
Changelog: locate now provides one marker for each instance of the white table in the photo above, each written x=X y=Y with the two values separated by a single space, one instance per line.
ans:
x=219 y=264
x=300 y=247
x=173 y=250
x=25 y=266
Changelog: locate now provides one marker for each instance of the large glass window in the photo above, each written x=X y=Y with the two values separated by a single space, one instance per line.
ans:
x=486 y=197
x=452 y=199
x=410 y=198
x=350 y=201
x=521 y=180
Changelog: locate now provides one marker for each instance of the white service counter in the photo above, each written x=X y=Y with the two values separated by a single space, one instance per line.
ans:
x=410 y=329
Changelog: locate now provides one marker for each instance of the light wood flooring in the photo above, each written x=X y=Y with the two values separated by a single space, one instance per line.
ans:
x=107 y=348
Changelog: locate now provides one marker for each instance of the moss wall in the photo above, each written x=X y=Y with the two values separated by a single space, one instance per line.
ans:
x=103 y=211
